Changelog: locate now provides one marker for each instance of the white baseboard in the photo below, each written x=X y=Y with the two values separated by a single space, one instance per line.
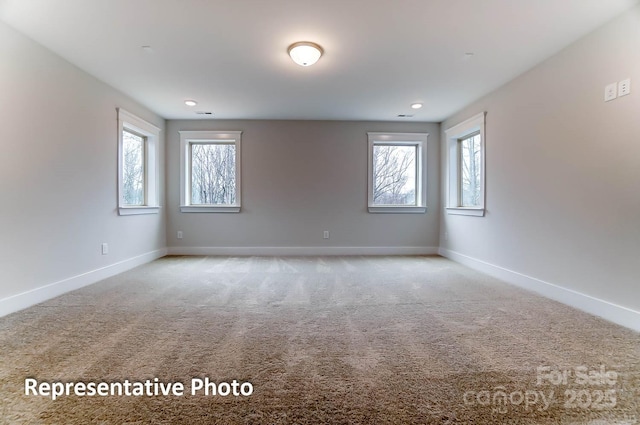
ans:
x=612 y=312
x=27 y=299
x=303 y=250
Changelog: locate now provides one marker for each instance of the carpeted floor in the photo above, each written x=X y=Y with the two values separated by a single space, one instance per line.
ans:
x=336 y=340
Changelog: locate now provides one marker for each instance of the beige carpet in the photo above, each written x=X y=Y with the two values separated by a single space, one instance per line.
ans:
x=336 y=340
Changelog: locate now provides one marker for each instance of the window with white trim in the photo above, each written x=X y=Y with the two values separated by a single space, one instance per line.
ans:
x=137 y=165
x=466 y=167
x=210 y=171
x=397 y=172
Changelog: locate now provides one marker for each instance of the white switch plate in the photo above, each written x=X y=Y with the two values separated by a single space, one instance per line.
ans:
x=610 y=92
x=325 y=234
x=179 y=234
x=105 y=248
x=624 y=87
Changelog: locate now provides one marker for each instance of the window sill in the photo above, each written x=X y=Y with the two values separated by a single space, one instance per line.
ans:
x=210 y=208
x=476 y=212
x=397 y=210
x=138 y=210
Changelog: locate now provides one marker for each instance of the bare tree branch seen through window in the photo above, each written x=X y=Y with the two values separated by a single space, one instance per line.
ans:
x=394 y=175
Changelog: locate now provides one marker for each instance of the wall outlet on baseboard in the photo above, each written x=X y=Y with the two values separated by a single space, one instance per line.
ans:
x=325 y=234
x=105 y=248
x=179 y=236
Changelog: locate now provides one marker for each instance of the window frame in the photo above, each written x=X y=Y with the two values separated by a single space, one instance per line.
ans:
x=151 y=135
x=187 y=138
x=454 y=136
x=419 y=140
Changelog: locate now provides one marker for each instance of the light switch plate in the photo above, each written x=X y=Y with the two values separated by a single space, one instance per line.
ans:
x=624 y=87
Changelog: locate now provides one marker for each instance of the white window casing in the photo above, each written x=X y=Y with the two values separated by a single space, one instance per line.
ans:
x=151 y=135
x=454 y=136
x=187 y=140
x=419 y=142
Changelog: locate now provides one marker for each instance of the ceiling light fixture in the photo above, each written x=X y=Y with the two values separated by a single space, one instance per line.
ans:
x=305 y=53
x=416 y=105
x=190 y=102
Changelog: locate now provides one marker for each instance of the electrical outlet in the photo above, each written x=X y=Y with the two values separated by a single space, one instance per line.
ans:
x=179 y=234
x=105 y=248
x=610 y=92
x=624 y=87
x=325 y=234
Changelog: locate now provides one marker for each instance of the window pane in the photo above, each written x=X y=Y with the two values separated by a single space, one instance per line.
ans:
x=213 y=174
x=394 y=175
x=133 y=168
x=470 y=169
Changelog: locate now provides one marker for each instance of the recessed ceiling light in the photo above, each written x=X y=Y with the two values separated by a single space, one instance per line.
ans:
x=416 y=105
x=305 y=53
x=190 y=102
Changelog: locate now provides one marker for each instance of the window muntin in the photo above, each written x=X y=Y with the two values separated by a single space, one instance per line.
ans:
x=133 y=168
x=397 y=172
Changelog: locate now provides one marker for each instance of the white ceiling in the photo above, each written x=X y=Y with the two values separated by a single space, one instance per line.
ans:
x=380 y=55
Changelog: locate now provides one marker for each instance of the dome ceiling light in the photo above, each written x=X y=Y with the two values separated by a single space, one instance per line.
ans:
x=305 y=53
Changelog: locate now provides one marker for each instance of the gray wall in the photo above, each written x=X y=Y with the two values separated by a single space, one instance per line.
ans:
x=58 y=171
x=563 y=171
x=562 y=184
x=298 y=179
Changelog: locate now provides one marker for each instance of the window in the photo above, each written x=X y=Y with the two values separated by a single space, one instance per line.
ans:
x=210 y=171
x=466 y=171
x=137 y=165
x=470 y=168
x=133 y=159
x=397 y=172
